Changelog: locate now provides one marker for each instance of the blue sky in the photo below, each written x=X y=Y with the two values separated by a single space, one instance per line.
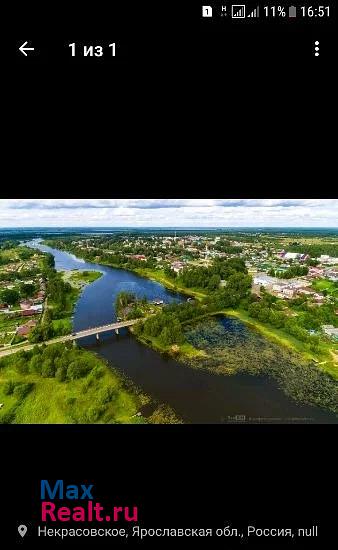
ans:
x=169 y=212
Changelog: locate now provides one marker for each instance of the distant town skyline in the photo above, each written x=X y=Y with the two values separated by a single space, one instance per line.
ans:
x=215 y=213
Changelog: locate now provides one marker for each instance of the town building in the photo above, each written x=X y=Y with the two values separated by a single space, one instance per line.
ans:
x=330 y=331
x=177 y=266
x=24 y=330
x=26 y=304
x=316 y=271
x=139 y=257
x=324 y=259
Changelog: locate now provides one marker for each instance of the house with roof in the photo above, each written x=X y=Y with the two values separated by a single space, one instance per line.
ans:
x=316 y=271
x=24 y=330
x=330 y=331
x=325 y=259
x=140 y=257
x=26 y=304
x=33 y=310
x=177 y=266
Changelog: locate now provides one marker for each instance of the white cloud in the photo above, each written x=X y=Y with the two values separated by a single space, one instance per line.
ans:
x=169 y=212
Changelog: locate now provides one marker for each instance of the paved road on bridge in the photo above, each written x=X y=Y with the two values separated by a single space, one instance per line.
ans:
x=72 y=336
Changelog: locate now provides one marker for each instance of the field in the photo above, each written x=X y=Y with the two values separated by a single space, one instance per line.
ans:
x=329 y=286
x=63 y=384
x=62 y=326
x=8 y=327
x=99 y=397
x=10 y=254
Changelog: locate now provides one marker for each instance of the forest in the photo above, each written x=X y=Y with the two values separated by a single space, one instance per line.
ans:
x=293 y=271
x=167 y=325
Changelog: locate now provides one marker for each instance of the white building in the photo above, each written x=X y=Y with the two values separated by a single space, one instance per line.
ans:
x=291 y=256
x=264 y=280
x=324 y=259
x=331 y=331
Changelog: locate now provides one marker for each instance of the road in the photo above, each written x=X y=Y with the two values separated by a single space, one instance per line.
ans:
x=69 y=337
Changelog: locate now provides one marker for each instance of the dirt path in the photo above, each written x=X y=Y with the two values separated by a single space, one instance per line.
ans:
x=335 y=356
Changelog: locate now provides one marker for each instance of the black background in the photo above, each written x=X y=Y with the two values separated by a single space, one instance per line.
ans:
x=179 y=117
x=179 y=477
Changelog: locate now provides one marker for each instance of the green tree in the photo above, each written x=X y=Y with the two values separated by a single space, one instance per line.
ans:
x=153 y=326
x=35 y=364
x=25 y=253
x=8 y=387
x=61 y=374
x=277 y=318
x=27 y=290
x=48 y=369
x=21 y=365
x=263 y=314
x=171 y=333
x=168 y=272
x=77 y=369
x=9 y=296
x=214 y=282
x=22 y=390
x=138 y=328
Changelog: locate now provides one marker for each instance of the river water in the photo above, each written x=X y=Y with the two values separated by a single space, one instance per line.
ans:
x=196 y=396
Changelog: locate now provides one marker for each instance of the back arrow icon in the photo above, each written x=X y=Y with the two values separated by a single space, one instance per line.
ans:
x=23 y=48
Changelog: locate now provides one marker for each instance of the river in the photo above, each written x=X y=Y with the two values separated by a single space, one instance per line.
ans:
x=196 y=396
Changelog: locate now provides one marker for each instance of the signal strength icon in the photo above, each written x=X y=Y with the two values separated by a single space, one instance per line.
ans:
x=254 y=13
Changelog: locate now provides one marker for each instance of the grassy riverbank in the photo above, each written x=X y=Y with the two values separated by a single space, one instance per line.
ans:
x=159 y=276
x=231 y=348
x=77 y=280
x=87 y=392
x=61 y=384
x=323 y=358
x=182 y=351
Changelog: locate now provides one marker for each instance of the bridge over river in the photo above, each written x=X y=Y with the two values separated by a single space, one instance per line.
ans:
x=73 y=336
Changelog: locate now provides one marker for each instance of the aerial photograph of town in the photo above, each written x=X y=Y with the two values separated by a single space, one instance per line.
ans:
x=169 y=311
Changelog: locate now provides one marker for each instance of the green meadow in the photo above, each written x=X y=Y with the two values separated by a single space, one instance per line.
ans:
x=60 y=385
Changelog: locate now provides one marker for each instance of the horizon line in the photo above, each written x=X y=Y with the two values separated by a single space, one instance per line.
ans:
x=166 y=227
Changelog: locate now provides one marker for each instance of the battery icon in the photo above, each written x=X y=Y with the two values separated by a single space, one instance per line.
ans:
x=292 y=11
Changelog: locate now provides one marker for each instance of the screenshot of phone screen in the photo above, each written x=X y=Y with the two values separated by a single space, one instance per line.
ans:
x=130 y=119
